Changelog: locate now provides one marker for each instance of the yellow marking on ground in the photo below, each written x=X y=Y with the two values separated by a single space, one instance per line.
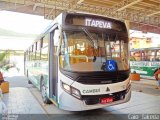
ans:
x=53 y=102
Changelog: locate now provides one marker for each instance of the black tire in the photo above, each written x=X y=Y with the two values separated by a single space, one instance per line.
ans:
x=44 y=93
x=29 y=82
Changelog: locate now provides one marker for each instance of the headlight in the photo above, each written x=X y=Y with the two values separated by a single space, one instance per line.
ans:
x=66 y=87
x=76 y=93
x=71 y=90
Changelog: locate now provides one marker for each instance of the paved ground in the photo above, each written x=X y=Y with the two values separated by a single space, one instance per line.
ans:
x=146 y=86
x=18 y=81
x=19 y=100
x=143 y=81
x=26 y=99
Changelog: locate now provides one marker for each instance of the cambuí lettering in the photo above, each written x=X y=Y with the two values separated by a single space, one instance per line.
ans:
x=91 y=91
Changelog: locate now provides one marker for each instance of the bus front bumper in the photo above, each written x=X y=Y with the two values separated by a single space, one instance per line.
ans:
x=70 y=103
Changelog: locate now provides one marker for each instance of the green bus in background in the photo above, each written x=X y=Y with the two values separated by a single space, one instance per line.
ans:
x=145 y=61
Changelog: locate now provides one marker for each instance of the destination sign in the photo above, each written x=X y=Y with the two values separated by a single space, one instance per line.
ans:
x=98 y=23
x=95 y=21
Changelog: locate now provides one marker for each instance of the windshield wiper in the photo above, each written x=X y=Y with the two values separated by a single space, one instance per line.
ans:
x=91 y=39
x=90 y=36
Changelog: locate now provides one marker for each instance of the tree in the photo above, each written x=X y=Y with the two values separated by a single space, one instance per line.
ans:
x=4 y=61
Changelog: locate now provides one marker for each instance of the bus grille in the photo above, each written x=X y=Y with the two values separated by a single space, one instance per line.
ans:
x=101 y=79
x=97 y=77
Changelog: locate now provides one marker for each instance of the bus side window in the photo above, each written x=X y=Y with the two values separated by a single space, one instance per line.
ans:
x=45 y=41
x=32 y=51
x=44 y=54
x=38 y=56
x=35 y=50
x=44 y=49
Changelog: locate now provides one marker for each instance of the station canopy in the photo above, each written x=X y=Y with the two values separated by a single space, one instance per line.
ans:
x=143 y=15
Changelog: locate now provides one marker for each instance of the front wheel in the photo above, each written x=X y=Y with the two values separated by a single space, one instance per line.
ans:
x=44 y=93
x=29 y=81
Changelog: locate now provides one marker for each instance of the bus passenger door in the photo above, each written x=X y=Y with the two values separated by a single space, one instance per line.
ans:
x=53 y=64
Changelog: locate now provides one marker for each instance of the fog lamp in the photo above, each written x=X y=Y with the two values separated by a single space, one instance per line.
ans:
x=76 y=93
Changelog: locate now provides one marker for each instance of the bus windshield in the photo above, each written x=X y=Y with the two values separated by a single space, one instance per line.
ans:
x=88 y=51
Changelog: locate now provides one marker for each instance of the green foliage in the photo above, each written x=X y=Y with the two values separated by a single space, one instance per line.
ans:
x=4 y=60
x=2 y=56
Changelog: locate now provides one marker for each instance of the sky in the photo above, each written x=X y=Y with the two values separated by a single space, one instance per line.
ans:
x=20 y=23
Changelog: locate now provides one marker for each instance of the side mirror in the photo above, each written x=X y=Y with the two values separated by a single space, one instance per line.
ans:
x=56 y=37
x=61 y=52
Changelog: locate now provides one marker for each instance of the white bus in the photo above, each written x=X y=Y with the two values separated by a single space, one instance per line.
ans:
x=81 y=62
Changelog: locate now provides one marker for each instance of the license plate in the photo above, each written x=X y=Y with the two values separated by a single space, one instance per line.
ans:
x=106 y=100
